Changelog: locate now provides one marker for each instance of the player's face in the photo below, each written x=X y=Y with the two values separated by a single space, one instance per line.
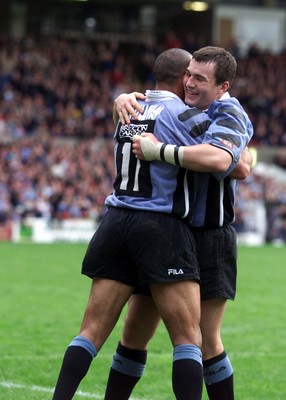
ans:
x=200 y=86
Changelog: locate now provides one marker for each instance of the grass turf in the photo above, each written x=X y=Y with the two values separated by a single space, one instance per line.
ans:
x=43 y=296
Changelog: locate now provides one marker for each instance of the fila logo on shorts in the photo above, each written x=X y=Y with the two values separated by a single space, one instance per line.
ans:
x=174 y=271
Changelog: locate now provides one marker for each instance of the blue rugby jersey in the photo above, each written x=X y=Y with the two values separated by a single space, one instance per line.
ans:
x=159 y=186
x=156 y=186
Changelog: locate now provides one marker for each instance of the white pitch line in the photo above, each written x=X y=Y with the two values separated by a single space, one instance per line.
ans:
x=34 y=388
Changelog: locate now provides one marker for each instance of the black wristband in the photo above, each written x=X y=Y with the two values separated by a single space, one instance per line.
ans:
x=176 y=155
x=162 y=151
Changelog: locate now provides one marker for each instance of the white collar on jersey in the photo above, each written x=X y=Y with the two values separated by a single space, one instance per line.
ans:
x=226 y=95
x=160 y=94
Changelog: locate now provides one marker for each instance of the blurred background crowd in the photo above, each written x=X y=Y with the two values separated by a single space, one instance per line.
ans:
x=56 y=128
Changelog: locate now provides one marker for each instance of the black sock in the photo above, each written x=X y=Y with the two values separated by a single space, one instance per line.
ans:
x=75 y=365
x=127 y=368
x=218 y=376
x=187 y=376
x=187 y=380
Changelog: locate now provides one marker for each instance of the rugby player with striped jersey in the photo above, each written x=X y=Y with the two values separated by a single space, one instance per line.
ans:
x=207 y=80
x=144 y=239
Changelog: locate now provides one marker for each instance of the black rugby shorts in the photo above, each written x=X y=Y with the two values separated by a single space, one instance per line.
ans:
x=217 y=256
x=141 y=247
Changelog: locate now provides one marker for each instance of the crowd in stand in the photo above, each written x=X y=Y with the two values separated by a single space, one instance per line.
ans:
x=56 y=128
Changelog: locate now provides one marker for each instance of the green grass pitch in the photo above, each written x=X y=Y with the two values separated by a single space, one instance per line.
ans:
x=43 y=296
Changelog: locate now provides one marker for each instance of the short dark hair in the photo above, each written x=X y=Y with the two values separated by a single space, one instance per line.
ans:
x=170 y=65
x=225 y=63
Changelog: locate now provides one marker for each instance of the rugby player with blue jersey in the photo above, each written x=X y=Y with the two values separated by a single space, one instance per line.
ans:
x=144 y=239
x=210 y=208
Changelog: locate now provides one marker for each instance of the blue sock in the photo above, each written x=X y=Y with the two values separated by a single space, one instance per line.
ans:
x=127 y=366
x=218 y=377
x=187 y=351
x=85 y=343
x=217 y=369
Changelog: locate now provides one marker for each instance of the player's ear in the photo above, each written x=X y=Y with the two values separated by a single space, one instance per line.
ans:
x=224 y=88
